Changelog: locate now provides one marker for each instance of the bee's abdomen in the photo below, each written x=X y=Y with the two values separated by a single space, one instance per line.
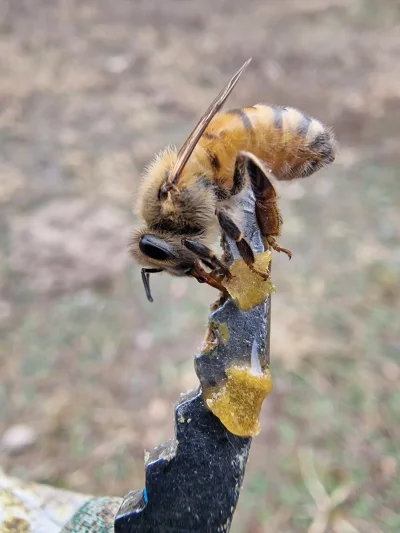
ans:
x=292 y=144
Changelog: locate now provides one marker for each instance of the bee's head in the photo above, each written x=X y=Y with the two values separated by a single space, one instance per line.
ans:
x=163 y=251
x=159 y=252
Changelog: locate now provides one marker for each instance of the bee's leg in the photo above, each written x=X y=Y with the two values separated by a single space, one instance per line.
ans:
x=239 y=180
x=244 y=248
x=271 y=241
x=206 y=255
x=268 y=215
x=204 y=277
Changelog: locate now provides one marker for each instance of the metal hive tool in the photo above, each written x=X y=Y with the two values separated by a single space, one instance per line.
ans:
x=193 y=481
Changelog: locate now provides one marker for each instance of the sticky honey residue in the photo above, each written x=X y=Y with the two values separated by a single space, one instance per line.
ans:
x=247 y=288
x=210 y=342
x=238 y=402
x=216 y=332
x=223 y=332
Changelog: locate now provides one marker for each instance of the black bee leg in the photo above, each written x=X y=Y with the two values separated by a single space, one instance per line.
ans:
x=146 y=280
x=244 y=248
x=207 y=256
x=204 y=277
x=239 y=180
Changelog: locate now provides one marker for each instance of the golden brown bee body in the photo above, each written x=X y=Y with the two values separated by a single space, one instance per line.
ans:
x=186 y=196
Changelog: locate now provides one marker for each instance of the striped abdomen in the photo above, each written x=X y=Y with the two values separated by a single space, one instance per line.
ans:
x=290 y=143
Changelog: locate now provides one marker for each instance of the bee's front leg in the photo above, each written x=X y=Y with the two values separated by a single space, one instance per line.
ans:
x=207 y=256
x=204 y=277
x=268 y=216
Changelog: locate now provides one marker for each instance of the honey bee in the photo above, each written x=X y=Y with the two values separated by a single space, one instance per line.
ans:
x=186 y=196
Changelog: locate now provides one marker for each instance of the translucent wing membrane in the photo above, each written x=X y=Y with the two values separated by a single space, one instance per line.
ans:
x=190 y=143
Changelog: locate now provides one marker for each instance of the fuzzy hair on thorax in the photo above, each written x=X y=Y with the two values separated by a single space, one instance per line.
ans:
x=189 y=209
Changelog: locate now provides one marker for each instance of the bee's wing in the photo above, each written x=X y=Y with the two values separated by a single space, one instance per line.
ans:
x=190 y=143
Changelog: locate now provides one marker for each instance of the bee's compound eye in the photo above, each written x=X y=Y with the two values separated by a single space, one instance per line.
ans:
x=154 y=248
x=162 y=193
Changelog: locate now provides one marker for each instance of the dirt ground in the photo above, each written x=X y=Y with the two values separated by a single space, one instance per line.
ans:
x=89 y=91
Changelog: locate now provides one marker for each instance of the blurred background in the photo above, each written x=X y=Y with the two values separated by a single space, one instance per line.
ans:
x=89 y=370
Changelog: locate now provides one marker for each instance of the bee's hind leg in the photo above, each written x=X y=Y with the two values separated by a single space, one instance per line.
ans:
x=269 y=218
x=232 y=231
x=271 y=241
x=207 y=256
